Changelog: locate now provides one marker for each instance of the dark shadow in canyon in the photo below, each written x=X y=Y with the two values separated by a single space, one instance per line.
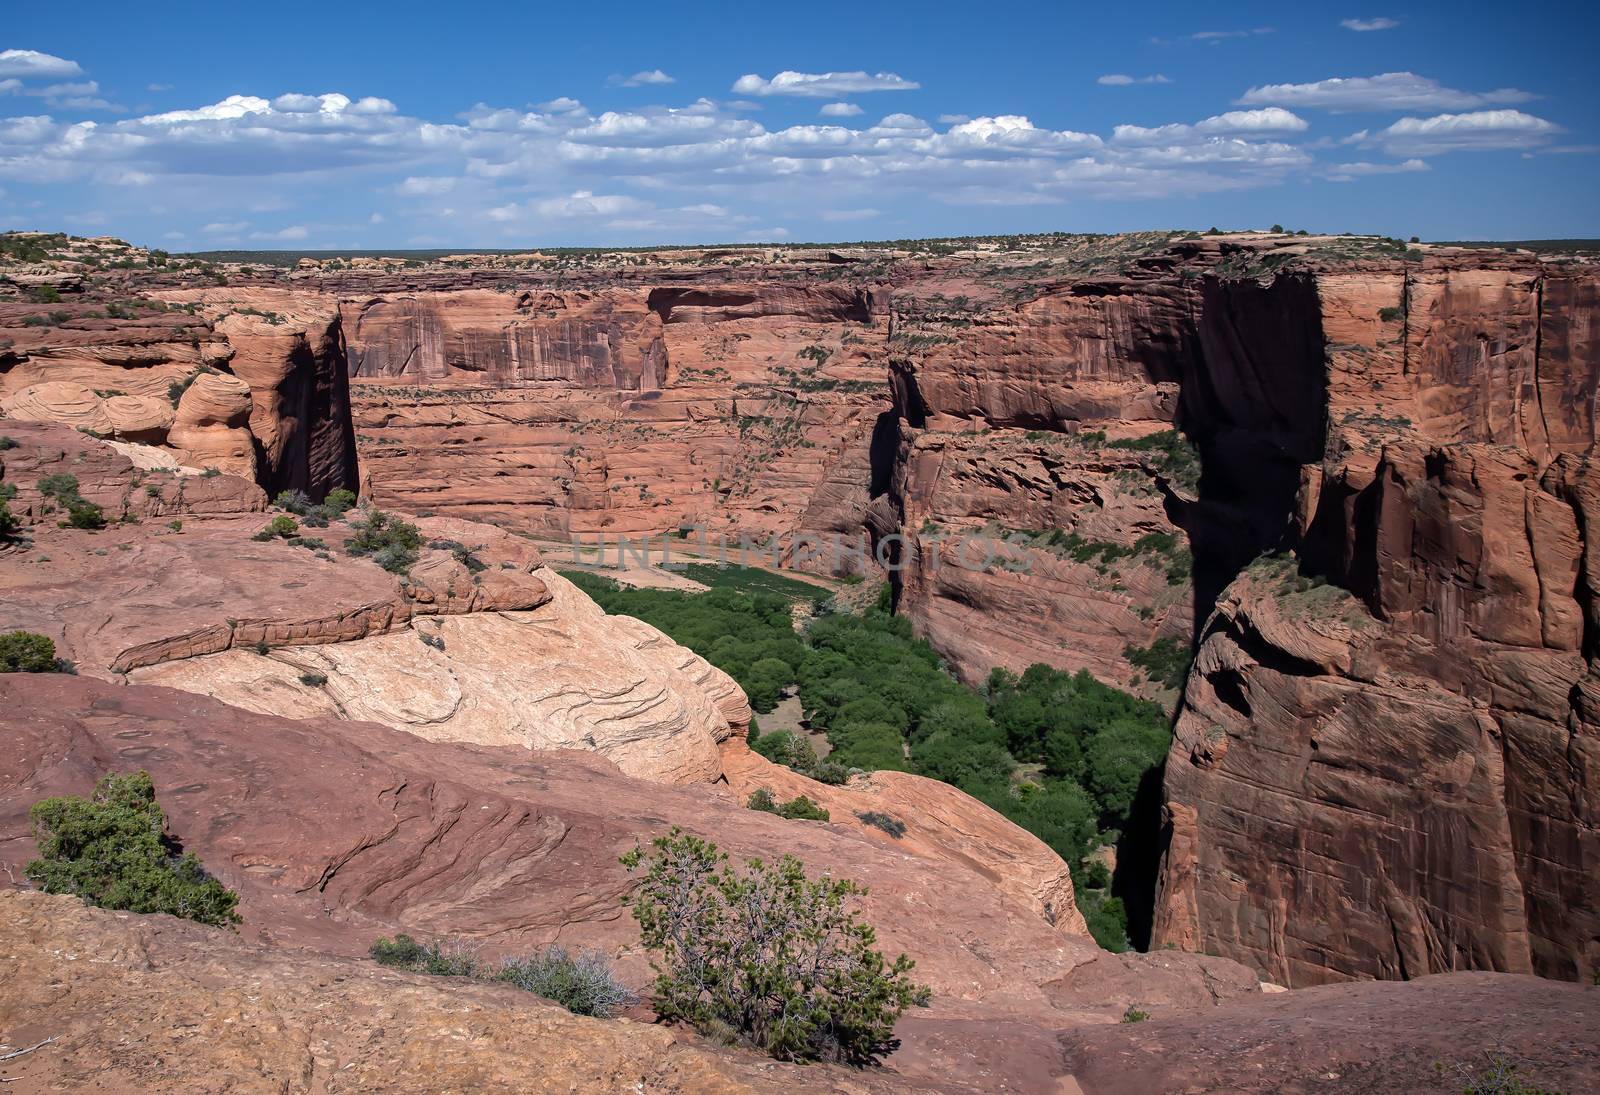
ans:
x=1254 y=402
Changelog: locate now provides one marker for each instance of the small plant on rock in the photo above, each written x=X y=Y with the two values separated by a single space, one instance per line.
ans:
x=281 y=527
x=340 y=500
x=296 y=501
x=765 y=955
x=581 y=983
x=802 y=809
x=442 y=958
x=891 y=825
x=389 y=541
x=63 y=489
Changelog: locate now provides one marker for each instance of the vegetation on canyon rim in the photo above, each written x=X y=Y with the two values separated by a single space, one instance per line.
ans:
x=763 y=955
x=112 y=849
x=62 y=489
x=1072 y=760
x=583 y=983
x=27 y=652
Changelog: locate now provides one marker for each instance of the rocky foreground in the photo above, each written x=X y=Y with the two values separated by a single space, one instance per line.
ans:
x=1384 y=764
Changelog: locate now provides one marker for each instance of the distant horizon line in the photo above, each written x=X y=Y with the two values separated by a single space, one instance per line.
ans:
x=370 y=251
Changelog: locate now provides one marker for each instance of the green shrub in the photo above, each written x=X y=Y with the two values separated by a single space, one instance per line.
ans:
x=461 y=553
x=10 y=524
x=26 y=652
x=1134 y=1015
x=391 y=542
x=294 y=500
x=765 y=955
x=787 y=748
x=796 y=809
x=831 y=772
x=112 y=850
x=583 y=983
x=7 y=443
x=60 y=486
x=1166 y=660
x=63 y=489
x=313 y=680
x=176 y=389
x=340 y=500
x=442 y=958
x=82 y=514
x=1497 y=1077
x=891 y=825
x=280 y=527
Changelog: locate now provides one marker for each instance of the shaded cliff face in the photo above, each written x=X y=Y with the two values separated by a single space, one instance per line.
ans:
x=1389 y=768
x=249 y=381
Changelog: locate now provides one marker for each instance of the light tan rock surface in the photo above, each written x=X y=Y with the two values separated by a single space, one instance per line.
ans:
x=561 y=676
x=149 y=1003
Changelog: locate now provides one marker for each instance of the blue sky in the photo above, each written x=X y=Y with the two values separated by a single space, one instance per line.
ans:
x=192 y=126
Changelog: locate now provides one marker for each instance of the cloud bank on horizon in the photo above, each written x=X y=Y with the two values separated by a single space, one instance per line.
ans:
x=764 y=155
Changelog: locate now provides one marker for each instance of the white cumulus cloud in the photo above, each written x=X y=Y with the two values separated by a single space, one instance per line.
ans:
x=650 y=78
x=1478 y=131
x=30 y=63
x=839 y=110
x=1389 y=91
x=293 y=232
x=1348 y=172
x=822 y=84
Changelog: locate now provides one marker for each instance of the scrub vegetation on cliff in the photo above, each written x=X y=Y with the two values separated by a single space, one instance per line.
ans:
x=1066 y=757
x=112 y=850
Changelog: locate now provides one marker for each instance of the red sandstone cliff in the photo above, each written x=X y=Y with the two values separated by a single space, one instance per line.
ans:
x=1396 y=773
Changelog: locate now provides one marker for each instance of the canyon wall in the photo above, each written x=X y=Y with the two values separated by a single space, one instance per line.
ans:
x=1351 y=478
x=1386 y=760
x=615 y=411
x=194 y=380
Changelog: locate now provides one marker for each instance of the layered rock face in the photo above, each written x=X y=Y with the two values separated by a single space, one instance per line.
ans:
x=202 y=378
x=612 y=410
x=1396 y=773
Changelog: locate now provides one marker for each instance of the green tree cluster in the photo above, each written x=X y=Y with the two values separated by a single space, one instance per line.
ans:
x=1070 y=759
x=390 y=542
x=749 y=636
